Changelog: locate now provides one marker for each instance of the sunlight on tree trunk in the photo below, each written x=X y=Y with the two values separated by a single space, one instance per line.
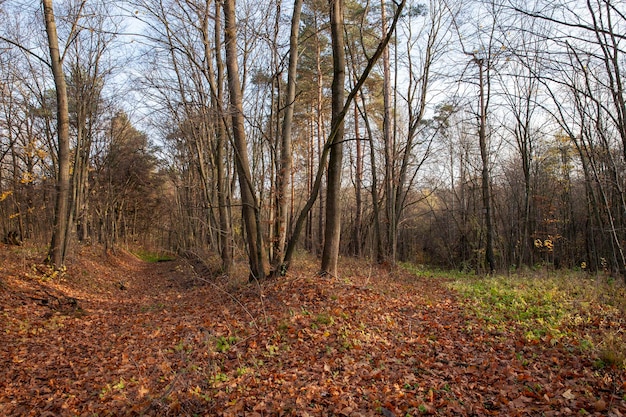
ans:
x=332 y=229
x=286 y=157
x=250 y=208
x=58 y=245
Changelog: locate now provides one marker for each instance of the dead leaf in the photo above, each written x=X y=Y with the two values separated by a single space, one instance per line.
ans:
x=142 y=391
x=568 y=395
x=600 y=405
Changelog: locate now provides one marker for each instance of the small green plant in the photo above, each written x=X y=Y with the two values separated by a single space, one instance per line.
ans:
x=324 y=319
x=520 y=357
x=48 y=272
x=120 y=385
x=585 y=345
x=182 y=346
x=218 y=378
x=197 y=391
x=224 y=343
x=104 y=391
x=272 y=349
x=152 y=307
x=241 y=371
x=55 y=322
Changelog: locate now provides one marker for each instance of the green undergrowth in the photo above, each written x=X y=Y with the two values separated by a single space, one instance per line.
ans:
x=152 y=257
x=540 y=306
x=559 y=308
x=569 y=307
x=438 y=273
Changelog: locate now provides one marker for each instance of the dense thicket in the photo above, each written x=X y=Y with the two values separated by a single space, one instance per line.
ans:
x=489 y=135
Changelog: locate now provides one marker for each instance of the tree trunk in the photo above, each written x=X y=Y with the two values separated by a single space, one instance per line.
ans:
x=320 y=134
x=286 y=161
x=358 y=185
x=482 y=138
x=58 y=245
x=390 y=147
x=250 y=210
x=332 y=229
x=336 y=128
x=226 y=235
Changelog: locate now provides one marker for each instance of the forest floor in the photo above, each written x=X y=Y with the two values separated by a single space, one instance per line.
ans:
x=114 y=336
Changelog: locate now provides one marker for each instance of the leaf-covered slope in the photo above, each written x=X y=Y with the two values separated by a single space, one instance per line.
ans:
x=154 y=339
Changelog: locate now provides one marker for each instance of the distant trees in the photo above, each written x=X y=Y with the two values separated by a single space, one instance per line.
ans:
x=583 y=78
x=53 y=114
x=551 y=96
x=269 y=233
x=129 y=189
x=481 y=137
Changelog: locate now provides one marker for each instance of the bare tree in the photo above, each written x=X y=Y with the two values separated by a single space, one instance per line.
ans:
x=331 y=140
x=332 y=230
x=286 y=158
x=484 y=57
x=584 y=81
x=413 y=145
x=250 y=206
x=58 y=245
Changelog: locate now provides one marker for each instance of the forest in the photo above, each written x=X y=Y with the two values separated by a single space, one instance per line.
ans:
x=483 y=136
x=312 y=208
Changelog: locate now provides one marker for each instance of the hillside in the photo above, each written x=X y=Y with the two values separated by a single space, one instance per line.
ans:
x=119 y=336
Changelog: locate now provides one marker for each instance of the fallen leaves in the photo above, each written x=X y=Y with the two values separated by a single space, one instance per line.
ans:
x=358 y=346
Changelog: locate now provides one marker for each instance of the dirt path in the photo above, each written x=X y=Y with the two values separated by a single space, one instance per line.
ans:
x=72 y=343
x=149 y=339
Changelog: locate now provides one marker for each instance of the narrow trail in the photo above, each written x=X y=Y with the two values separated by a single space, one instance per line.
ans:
x=153 y=340
x=61 y=356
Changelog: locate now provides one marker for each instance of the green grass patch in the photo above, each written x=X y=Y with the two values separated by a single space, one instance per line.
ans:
x=567 y=307
x=424 y=271
x=324 y=319
x=547 y=307
x=539 y=306
x=152 y=257
x=515 y=300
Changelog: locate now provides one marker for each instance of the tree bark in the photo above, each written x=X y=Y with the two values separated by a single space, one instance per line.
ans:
x=58 y=244
x=482 y=138
x=250 y=210
x=390 y=149
x=286 y=160
x=332 y=228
